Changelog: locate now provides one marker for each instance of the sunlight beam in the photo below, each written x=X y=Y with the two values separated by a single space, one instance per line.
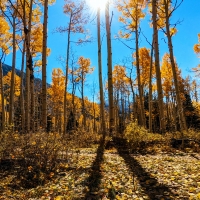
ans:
x=97 y=4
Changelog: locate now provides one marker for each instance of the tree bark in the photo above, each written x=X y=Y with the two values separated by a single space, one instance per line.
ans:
x=32 y=93
x=22 y=90
x=28 y=66
x=83 y=101
x=150 y=90
x=2 y=99
x=94 y=117
x=66 y=75
x=110 y=81
x=44 y=63
x=157 y=66
x=100 y=74
x=138 y=78
x=12 y=85
x=170 y=46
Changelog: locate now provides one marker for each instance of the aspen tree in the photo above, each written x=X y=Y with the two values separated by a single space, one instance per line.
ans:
x=12 y=85
x=13 y=24
x=100 y=73
x=44 y=63
x=120 y=84
x=76 y=23
x=168 y=86
x=109 y=60
x=5 y=42
x=132 y=14
x=157 y=66
x=167 y=14
x=22 y=90
x=56 y=96
x=150 y=89
x=2 y=100
x=82 y=71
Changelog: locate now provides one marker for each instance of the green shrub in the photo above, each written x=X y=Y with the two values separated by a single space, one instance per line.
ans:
x=137 y=136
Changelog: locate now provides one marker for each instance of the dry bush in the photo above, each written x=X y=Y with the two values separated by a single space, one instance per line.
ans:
x=84 y=139
x=35 y=158
x=139 y=138
x=193 y=134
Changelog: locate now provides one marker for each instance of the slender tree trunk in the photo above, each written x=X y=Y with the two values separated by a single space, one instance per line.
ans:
x=27 y=101
x=157 y=66
x=66 y=75
x=32 y=93
x=44 y=63
x=100 y=74
x=168 y=113
x=122 y=111
x=150 y=90
x=73 y=98
x=27 y=32
x=22 y=90
x=133 y=96
x=129 y=108
x=139 y=81
x=94 y=115
x=110 y=81
x=83 y=102
x=195 y=92
x=117 y=109
x=12 y=85
x=2 y=99
x=178 y=99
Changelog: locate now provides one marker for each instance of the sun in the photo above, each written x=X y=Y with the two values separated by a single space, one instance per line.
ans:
x=96 y=4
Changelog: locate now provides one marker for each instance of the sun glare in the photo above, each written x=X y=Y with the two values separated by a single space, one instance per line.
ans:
x=95 y=4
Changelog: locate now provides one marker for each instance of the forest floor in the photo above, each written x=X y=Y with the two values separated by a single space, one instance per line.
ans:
x=116 y=173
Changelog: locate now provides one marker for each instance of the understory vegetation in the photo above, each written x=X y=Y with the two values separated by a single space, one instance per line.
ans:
x=32 y=166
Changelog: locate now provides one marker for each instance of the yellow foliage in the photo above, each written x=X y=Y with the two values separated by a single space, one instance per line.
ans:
x=7 y=81
x=196 y=106
x=173 y=31
x=5 y=36
x=167 y=75
x=37 y=40
x=84 y=68
x=120 y=79
x=162 y=15
x=132 y=13
x=56 y=91
x=50 y=2
x=136 y=134
x=144 y=61
x=197 y=46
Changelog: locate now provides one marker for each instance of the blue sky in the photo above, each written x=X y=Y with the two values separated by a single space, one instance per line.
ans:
x=183 y=41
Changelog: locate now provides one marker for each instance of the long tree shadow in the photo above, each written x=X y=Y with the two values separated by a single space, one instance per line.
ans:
x=150 y=185
x=94 y=179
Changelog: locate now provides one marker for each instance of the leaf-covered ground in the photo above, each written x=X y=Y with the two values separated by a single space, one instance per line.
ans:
x=117 y=174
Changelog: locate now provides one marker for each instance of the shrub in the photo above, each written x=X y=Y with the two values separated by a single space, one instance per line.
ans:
x=135 y=134
x=35 y=158
x=138 y=136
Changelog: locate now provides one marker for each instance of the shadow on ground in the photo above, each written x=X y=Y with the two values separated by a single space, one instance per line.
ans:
x=94 y=180
x=150 y=185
